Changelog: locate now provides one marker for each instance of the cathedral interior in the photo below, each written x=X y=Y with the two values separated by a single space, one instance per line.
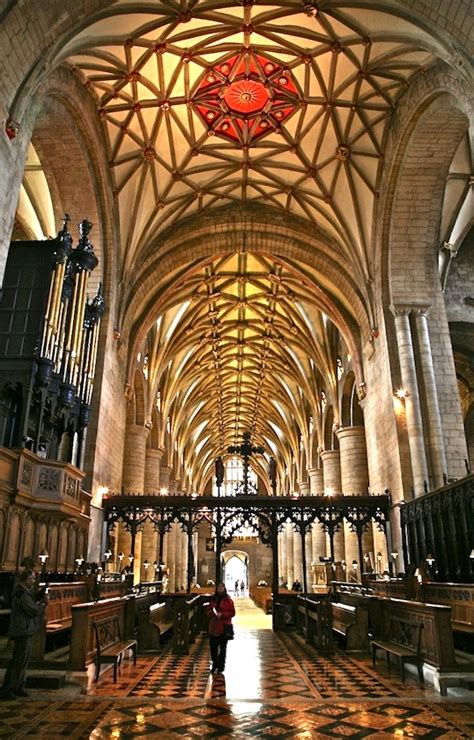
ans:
x=237 y=346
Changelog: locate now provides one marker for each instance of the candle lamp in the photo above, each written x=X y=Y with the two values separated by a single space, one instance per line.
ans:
x=394 y=558
x=107 y=556
x=43 y=556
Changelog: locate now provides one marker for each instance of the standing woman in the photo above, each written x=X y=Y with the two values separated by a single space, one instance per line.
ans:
x=221 y=610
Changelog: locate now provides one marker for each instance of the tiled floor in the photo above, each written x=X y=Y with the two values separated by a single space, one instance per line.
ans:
x=273 y=686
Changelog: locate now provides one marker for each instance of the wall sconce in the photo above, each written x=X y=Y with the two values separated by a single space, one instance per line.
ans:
x=164 y=491
x=355 y=565
x=79 y=562
x=329 y=492
x=131 y=558
x=401 y=393
x=430 y=559
x=146 y=565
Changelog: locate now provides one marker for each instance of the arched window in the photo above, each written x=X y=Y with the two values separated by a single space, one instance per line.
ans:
x=233 y=477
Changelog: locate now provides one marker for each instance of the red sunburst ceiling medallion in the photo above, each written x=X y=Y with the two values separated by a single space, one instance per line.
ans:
x=245 y=97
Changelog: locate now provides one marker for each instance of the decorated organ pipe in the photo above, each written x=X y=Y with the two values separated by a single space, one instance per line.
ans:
x=68 y=347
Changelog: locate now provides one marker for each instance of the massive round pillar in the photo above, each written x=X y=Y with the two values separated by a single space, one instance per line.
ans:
x=354 y=481
x=318 y=536
x=332 y=487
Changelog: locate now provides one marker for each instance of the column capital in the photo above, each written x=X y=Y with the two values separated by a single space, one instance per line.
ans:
x=157 y=454
x=401 y=309
x=345 y=432
x=422 y=310
x=405 y=309
x=139 y=429
x=328 y=454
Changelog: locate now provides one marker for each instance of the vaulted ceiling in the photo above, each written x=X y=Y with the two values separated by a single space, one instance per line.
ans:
x=242 y=347
x=207 y=103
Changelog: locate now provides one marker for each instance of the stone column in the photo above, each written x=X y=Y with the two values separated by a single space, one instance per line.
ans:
x=297 y=557
x=308 y=547
x=354 y=480
x=133 y=481
x=435 y=439
x=318 y=536
x=184 y=560
x=304 y=487
x=133 y=472
x=332 y=486
x=171 y=563
x=290 y=570
x=152 y=470
x=316 y=484
x=282 y=551
x=149 y=550
x=412 y=401
x=165 y=473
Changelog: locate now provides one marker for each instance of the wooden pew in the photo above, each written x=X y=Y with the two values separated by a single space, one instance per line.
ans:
x=58 y=615
x=262 y=597
x=186 y=621
x=404 y=641
x=110 y=645
x=83 y=648
x=313 y=619
x=419 y=633
x=459 y=596
x=352 y=624
x=154 y=618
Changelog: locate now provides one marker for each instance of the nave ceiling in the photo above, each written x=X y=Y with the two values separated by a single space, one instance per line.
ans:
x=207 y=104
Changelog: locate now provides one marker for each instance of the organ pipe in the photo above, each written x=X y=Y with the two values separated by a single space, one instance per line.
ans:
x=69 y=341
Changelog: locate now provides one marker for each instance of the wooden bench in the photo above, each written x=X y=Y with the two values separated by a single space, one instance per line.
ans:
x=83 y=646
x=62 y=596
x=186 y=622
x=110 y=646
x=153 y=622
x=57 y=618
x=313 y=619
x=404 y=642
x=351 y=623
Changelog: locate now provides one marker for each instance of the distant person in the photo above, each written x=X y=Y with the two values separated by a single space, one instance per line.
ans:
x=296 y=585
x=25 y=620
x=236 y=588
x=242 y=588
x=221 y=609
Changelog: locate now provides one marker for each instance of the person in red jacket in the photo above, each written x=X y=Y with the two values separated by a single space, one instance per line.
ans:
x=221 y=610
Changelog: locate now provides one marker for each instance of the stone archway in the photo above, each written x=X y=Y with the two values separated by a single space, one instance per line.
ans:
x=236 y=570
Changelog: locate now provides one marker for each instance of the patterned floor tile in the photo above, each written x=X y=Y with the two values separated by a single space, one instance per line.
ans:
x=274 y=686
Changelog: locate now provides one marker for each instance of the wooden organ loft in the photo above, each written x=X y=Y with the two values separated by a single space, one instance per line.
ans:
x=49 y=332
